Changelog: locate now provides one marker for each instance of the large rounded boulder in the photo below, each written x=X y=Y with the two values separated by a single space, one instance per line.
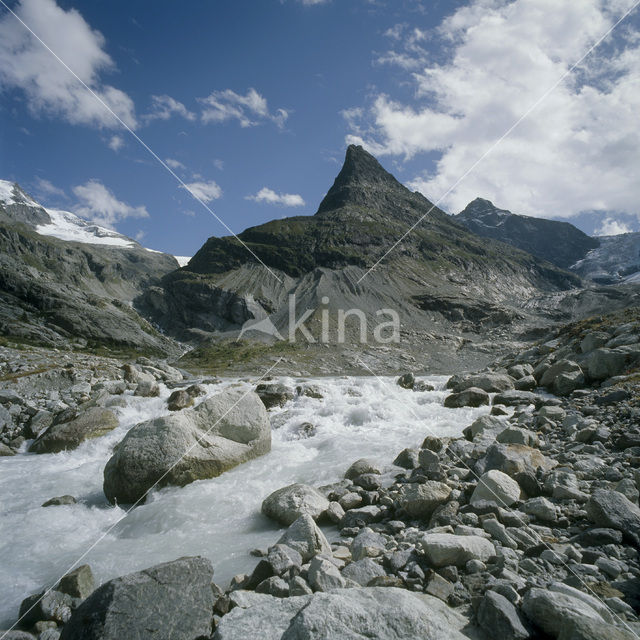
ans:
x=224 y=431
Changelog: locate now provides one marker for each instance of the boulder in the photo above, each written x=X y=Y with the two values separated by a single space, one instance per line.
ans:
x=518 y=435
x=282 y=558
x=79 y=583
x=527 y=383
x=489 y=382
x=363 y=571
x=515 y=398
x=361 y=467
x=219 y=434
x=59 y=501
x=471 y=397
x=421 y=500
x=496 y=486
x=93 y=423
x=349 y=614
x=516 y=458
x=286 y=505
x=500 y=619
x=306 y=538
x=407 y=458
x=606 y=363
x=593 y=340
x=324 y=575
x=549 y=610
x=179 y=399
x=611 y=509
x=171 y=601
x=519 y=371
x=274 y=395
x=406 y=381
x=563 y=377
x=443 y=549
x=484 y=425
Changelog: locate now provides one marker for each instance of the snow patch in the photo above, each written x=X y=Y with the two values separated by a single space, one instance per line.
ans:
x=6 y=192
x=65 y=225
x=183 y=261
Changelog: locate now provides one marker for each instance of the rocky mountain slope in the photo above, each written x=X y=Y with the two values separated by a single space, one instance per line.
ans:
x=558 y=242
x=442 y=280
x=62 y=279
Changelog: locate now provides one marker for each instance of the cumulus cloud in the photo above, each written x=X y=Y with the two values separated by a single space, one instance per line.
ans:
x=205 y=191
x=249 y=110
x=271 y=197
x=98 y=204
x=573 y=152
x=412 y=55
x=611 y=227
x=49 y=88
x=163 y=107
x=174 y=164
x=116 y=143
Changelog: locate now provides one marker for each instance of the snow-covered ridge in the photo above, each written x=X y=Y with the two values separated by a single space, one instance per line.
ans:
x=10 y=193
x=68 y=226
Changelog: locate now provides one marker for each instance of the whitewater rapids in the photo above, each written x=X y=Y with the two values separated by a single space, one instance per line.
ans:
x=219 y=518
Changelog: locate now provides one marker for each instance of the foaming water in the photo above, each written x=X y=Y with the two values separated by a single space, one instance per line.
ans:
x=218 y=518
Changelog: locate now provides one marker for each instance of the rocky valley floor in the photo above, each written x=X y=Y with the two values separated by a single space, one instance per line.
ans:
x=498 y=504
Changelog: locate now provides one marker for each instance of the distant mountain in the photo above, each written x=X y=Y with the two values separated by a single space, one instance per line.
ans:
x=441 y=278
x=560 y=243
x=63 y=279
x=615 y=261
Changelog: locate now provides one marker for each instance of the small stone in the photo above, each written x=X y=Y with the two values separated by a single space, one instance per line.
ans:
x=59 y=500
x=324 y=575
x=79 y=583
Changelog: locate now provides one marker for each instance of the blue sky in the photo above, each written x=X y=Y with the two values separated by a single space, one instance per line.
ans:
x=252 y=103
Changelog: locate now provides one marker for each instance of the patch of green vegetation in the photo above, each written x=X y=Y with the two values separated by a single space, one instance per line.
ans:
x=216 y=357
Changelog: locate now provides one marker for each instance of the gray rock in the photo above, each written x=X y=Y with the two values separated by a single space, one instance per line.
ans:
x=500 y=619
x=528 y=383
x=483 y=426
x=407 y=458
x=367 y=544
x=541 y=508
x=611 y=509
x=39 y=422
x=172 y=601
x=59 y=501
x=420 y=500
x=519 y=371
x=47 y=605
x=224 y=431
x=442 y=549
x=593 y=340
x=515 y=398
x=93 y=423
x=563 y=377
x=361 y=516
x=606 y=363
x=471 y=397
x=576 y=629
x=518 y=435
x=363 y=571
x=489 y=382
x=79 y=583
x=348 y=614
x=406 y=381
x=179 y=399
x=282 y=558
x=549 y=610
x=274 y=395
x=361 y=467
x=286 y=505
x=324 y=575
x=496 y=486
x=306 y=538
x=516 y=458
x=15 y=634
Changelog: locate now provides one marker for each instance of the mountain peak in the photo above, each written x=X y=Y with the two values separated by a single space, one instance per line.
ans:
x=361 y=181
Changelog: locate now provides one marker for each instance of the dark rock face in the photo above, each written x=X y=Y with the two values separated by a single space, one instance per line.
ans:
x=172 y=601
x=357 y=223
x=560 y=243
x=52 y=290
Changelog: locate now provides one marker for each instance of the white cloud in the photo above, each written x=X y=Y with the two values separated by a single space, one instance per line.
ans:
x=174 y=164
x=271 y=197
x=49 y=88
x=611 y=227
x=413 y=55
x=46 y=188
x=140 y=235
x=249 y=110
x=218 y=164
x=163 y=107
x=311 y=3
x=205 y=191
x=116 y=143
x=576 y=150
x=98 y=204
